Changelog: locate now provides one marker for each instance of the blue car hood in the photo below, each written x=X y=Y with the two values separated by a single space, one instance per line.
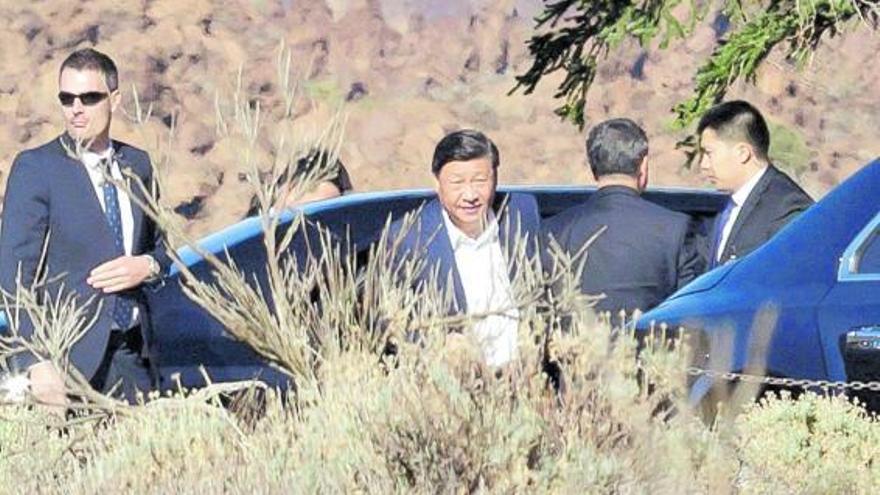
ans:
x=706 y=281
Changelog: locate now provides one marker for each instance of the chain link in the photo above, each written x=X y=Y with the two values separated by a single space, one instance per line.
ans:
x=785 y=382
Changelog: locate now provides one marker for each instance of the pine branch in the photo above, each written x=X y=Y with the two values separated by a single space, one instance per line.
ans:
x=575 y=35
x=800 y=24
x=580 y=33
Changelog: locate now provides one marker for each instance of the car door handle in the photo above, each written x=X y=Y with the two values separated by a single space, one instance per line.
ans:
x=865 y=338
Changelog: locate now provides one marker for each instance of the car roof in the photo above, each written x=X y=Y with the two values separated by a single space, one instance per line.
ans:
x=355 y=215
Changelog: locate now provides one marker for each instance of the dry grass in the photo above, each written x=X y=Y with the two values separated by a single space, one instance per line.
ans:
x=438 y=421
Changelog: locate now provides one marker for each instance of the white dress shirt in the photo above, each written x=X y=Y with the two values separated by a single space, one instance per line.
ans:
x=94 y=163
x=486 y=283
x=739 y=198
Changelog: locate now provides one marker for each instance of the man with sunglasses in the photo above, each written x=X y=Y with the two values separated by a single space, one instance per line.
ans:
x=68 y=223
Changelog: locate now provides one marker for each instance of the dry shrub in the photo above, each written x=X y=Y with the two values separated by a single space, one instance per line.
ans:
x=169 y=449
x=436 y=421
x=31 y=453
x=813 y=444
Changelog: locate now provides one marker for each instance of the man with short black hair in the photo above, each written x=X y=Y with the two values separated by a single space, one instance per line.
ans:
x=646 y=252
x=734 y=142
x=99 y=244
x=468 y=233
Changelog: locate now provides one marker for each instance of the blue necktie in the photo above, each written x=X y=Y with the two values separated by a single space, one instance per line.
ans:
x=123 y=308
x=720 y=223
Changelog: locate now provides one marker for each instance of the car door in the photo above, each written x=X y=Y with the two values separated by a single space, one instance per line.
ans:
x=849 y=316
x=188 y=337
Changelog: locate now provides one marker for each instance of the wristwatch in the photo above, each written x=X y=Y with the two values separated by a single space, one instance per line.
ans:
x=155 y=268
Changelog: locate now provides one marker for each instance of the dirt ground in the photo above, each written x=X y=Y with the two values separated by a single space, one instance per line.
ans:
x=404 y=72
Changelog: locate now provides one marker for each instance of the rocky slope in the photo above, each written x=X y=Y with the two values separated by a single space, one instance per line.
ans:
x=406 y=71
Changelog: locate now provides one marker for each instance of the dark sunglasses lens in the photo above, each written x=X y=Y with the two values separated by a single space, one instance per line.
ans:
x=66 y=99
x=92 y=98
x=87 y=99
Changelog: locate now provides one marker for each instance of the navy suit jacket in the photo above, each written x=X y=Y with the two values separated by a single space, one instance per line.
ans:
x=518 y=220
x=775 y=201
x=644 y=255
x=50 y=199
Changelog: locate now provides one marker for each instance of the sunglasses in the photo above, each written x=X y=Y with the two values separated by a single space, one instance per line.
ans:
x=88 y=99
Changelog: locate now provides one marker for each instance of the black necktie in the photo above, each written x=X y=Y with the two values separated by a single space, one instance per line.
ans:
x=720 y=222
x=122 y=310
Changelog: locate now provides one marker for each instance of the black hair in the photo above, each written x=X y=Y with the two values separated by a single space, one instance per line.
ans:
x=91 y=59
x=315 y=158
x=464 y=145
x=738 y=120
x=616 y=146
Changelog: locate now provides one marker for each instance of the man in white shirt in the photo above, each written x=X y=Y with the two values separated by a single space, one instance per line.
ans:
x=734 y=143
x=98 y=243
x=484 y=278
x=468 y=234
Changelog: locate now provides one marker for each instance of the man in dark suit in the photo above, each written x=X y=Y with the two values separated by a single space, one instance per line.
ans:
x=646 y=252
x=734 y=142
x=98 y=242
x=469 y=235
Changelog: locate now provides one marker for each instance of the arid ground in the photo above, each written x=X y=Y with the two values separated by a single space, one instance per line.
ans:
x=405 y=72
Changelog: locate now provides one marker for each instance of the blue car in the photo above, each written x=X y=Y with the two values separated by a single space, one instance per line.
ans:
x=188 y=337
x=806 y=305
x=819 y=278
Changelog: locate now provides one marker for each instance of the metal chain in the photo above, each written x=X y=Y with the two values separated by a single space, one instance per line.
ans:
x=873 y=386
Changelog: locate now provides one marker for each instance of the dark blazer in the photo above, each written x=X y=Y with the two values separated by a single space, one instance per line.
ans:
x=518 y=219
x=50 y=198
x=775 y=201
x=645 y=254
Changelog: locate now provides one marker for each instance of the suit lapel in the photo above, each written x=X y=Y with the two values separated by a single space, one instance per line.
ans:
x=509 y=230
x=435 y=236
x=85 y=190
x=137 y=214
x=747 y=209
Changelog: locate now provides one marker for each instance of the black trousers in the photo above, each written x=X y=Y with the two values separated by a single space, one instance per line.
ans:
x=123 y=369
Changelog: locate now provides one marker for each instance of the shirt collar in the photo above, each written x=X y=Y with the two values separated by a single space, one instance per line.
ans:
x=92 y=160
x=742 y=194
x=458 y=238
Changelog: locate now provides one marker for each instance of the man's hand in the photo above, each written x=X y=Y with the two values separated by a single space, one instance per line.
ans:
x=120 y=274
x=47 y=387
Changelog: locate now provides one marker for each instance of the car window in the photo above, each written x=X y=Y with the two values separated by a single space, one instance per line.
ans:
x=861 y=259
x=869 y=261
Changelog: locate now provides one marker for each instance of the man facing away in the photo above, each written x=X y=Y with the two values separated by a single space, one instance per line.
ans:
x=646 y=252
x=99 y=243
x=468 y=233
x=734 y=142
